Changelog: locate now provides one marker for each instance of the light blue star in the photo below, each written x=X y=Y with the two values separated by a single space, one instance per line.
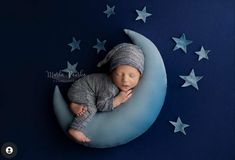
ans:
x=191 y=79
x=202 y=53
x=100 y=45
x=109 y=11
x=181 y=42
x=75 y=44
x=179 y=126
x=70 y=69
x=142 y=14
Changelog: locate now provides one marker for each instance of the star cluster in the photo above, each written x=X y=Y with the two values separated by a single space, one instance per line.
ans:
x=191 y=79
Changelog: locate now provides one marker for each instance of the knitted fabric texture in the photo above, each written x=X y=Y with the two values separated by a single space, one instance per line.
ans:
x=124 y=54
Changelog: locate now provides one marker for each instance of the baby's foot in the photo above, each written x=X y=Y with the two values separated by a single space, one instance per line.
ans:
x=79 y=136
x=78 y=109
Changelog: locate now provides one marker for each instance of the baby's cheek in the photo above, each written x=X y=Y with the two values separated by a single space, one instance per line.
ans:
x=136 y=82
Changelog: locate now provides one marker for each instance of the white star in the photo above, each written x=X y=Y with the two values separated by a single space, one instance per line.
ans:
x=181 y=43
x=191 y=79
x=142 y=14
x=179 y=126
x=100 y=45
x=109 y=11
x=74 y=44
x=202 y=53
x=70 y=69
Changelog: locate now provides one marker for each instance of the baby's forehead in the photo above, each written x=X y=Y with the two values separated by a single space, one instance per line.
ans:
x=125 y=68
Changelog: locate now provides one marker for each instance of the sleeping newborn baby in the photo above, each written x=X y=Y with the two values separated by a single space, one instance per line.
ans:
x=105 y=92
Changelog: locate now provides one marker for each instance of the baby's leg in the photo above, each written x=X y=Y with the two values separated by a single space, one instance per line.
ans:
x=77 y=109
x=80 y=123
x=78 y=135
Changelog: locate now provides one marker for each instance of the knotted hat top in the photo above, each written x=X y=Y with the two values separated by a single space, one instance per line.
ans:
x=124 y=54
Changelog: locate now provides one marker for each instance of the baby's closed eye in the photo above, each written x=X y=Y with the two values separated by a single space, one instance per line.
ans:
x=132 y=75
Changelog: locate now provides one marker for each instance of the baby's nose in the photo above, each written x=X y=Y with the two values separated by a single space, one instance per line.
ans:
x=124 y=78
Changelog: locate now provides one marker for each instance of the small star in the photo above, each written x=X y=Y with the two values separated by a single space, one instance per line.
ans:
x=142 y=14
x=191 y=79
x=179 y=126
x=70 y=69
x=100 y=45
x=109 y=11
x=75 y=44
x=181 y=42
x=202 y=53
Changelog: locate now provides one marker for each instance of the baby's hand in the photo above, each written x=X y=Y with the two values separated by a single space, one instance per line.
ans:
x=121 y=98
x=124 y=96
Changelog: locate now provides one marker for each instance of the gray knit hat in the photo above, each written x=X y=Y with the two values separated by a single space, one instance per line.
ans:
x=124 y=53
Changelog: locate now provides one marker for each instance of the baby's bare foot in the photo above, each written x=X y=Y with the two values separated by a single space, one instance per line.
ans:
x=79 y=136
x=78 y=109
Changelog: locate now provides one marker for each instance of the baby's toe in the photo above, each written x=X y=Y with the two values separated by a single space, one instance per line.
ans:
x=84 y=110
x=87 y=139
x=83 y=140
x=81 y=112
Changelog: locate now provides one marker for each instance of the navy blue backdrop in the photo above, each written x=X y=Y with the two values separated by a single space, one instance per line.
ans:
x=33 y=41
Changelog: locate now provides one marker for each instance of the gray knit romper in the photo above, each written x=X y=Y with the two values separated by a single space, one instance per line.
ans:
x=94 y=91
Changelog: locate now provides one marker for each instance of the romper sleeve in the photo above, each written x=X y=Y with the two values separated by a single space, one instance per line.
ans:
x=106 y=92
x=105 y=103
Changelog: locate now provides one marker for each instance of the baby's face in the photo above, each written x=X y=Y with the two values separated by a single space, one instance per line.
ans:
x=125 y=77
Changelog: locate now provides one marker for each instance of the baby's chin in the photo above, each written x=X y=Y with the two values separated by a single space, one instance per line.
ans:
x=125 y=89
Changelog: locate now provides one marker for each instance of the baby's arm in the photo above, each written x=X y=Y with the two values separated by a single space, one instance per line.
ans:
x=121 y=98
